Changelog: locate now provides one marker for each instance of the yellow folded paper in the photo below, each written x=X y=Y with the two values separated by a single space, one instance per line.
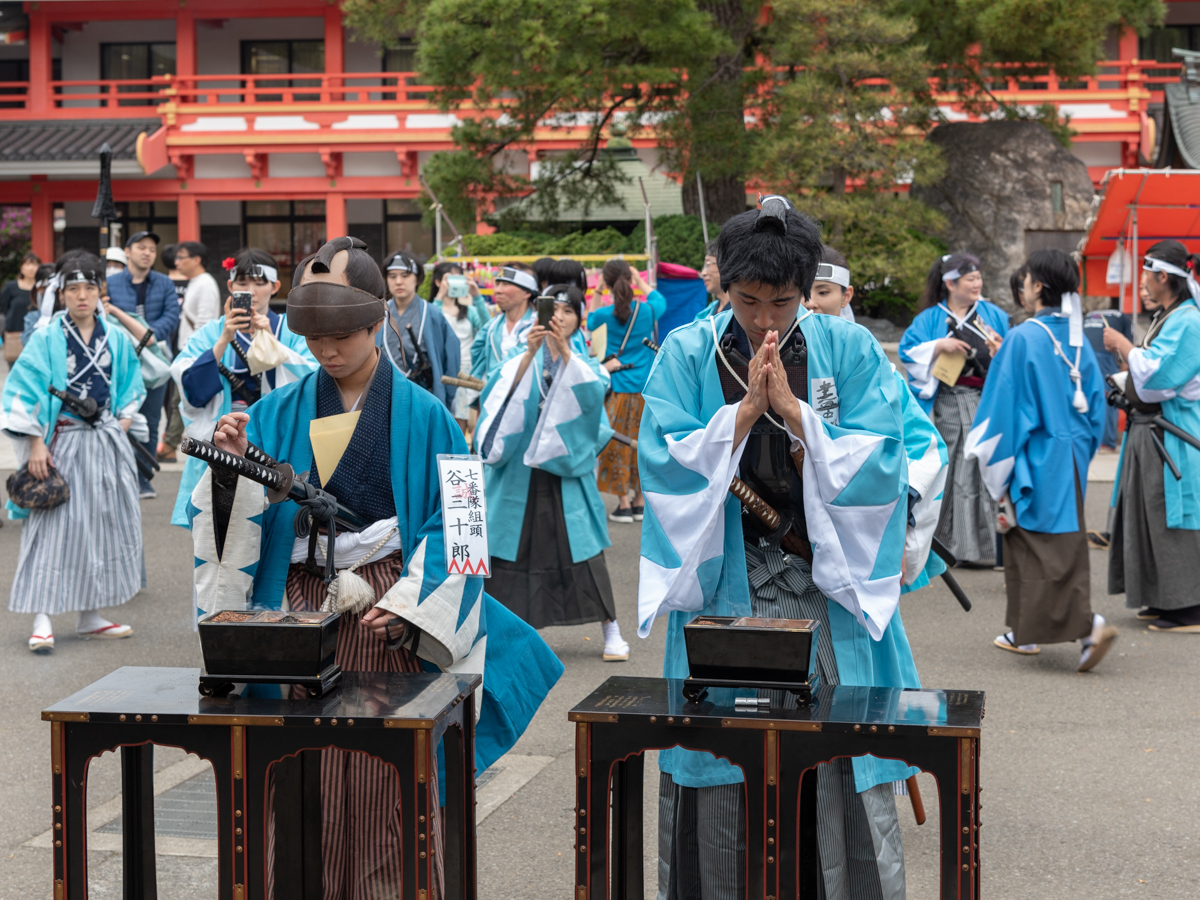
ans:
x=600 y=342
x=330 y=436
x=948 y=367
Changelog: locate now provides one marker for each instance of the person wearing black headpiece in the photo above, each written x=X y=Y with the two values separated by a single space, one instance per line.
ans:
x=366 y=434
x=1155 y=547
x=945 y=352
x=84 y=553
x=801 y=407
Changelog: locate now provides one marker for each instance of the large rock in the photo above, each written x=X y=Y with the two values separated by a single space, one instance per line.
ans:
x=1000 y=197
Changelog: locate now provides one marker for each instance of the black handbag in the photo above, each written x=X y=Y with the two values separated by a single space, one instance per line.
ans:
x=28 y=493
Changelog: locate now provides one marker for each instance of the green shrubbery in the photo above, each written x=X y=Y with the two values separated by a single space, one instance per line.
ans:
x=680 y=240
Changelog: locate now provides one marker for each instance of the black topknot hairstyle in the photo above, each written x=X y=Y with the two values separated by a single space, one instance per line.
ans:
x=775 y=245
x=361 y=271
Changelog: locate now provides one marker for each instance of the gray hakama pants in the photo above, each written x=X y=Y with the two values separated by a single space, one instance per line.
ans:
x=701 y=831
x=1153 y=565
x=968 y=523
x=86 y=553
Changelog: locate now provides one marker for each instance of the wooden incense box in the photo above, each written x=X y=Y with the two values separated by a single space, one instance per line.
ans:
x=269 y=647
x=771 y=654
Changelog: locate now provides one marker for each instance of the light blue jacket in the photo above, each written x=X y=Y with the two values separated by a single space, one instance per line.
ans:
x=916 y=345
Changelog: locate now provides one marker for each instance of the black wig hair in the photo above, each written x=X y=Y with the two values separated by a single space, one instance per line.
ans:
x=541 y=270
x=574 y=297
x=935 y=288
x=1177 y=255
x=568 y=271
x=833 y=256
x=79 y=260
x=361 y=271
x=775 y=245
x=1056 y=271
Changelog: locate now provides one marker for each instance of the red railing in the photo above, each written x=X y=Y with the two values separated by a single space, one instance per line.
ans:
x=198 y=94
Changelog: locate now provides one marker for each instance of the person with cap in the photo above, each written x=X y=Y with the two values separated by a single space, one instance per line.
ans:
x=515 y=289
x=1039 y=423
x=541 y=424
x=268 y=355
x=83 y=555
x=720 y=404
x=1154 y=558
x=369 y=436
x=142 y=291
x=945 y=352
x=418 y=339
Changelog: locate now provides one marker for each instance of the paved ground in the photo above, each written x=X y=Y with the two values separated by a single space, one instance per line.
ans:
x=1086 y=792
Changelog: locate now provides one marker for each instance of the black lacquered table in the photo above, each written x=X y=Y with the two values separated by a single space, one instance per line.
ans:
x=777 y=750
x=397 y=717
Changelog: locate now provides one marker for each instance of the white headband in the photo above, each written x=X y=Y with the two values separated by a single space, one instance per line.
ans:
x=835 y=274
x=955 y=274
x=519 y=278
x=400 y=265
x=1154 y=264
x=256 y=270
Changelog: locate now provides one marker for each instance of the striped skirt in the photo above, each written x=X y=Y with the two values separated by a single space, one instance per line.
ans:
x=617 y=470
x=361 y=828
x=968 y=523
x=702 y=845
x=86 y=553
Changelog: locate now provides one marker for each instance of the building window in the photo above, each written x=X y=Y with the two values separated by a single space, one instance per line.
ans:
x=287 y=229
x=1056 y=197
x=402 y=59
x=1159 y=43
x=404 y=231
x=119 y=62
x=284 y=58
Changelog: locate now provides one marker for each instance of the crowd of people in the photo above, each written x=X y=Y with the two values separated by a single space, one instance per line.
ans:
x=980 y=446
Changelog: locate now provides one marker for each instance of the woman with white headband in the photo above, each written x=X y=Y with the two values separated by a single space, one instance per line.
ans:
x=254 y=346
x=81 y=544
x=417 y=338
x=1039 y=423
x=946 y=351
x=1155 y=548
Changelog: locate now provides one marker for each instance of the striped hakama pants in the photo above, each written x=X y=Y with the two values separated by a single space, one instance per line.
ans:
x=361 y=828
x=86 y=553
x=701 y=837
x=968 y=523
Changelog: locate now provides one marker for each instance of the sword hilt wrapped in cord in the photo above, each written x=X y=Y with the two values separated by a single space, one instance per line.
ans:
x=143 y=343
x=237 y=383
x=463 y=380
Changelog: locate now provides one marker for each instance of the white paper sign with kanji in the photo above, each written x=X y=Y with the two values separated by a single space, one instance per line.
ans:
x=464 y=514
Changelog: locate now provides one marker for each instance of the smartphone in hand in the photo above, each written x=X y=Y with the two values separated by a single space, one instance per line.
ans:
x=241 y=300
x=545 y=311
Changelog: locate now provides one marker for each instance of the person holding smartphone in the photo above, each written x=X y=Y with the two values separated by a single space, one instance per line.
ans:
x=541 y=425
x=458 y=297
x=236 y=359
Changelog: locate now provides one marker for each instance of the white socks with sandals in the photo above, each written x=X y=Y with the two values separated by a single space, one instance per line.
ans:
x=615 y=647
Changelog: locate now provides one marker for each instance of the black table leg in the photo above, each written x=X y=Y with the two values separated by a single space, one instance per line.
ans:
x=137 y=822
x=75 y=744
x=627 y=828
x=459 y=825
x=297 y=820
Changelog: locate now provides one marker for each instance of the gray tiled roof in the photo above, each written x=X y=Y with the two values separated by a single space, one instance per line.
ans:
x=38 y=141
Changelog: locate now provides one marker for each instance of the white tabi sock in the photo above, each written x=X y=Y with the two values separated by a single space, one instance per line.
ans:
x=90 y=620
x=41 y=626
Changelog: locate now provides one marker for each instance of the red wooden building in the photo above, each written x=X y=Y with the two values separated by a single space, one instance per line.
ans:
x=268 y=123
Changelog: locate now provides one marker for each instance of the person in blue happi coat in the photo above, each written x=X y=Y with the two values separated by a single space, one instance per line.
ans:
x=719 y=404
x=402 y=610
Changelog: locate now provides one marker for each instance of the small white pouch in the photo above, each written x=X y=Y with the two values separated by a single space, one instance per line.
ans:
x=265 y=352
